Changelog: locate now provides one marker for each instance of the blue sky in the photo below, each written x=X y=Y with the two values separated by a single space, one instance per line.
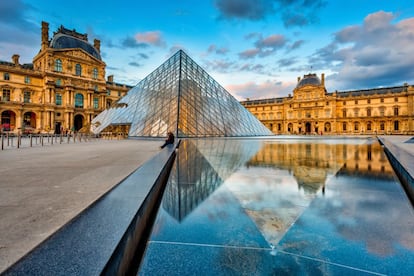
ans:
x=254 y=48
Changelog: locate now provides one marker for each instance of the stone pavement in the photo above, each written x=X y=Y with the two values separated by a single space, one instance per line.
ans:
x=42 y=188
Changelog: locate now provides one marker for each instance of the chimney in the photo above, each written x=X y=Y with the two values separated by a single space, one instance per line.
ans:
x=97 y=45
x=323 y=79
x=111 y=78
x=45 y=35
x=15 y=59
x=298 y=79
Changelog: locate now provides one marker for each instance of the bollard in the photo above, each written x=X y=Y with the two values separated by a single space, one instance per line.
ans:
x=41 y=139
x=8 y=140
x=30 y=137
x=2 y=142
x=18 y=141
x=52 y=140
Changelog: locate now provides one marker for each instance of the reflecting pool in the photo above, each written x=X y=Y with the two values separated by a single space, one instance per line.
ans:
x=272 y=207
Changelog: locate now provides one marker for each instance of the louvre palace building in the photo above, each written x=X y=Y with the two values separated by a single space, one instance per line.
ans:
x=63 y=89
x=312 y=110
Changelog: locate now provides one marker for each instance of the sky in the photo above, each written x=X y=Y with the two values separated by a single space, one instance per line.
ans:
x=255 y=49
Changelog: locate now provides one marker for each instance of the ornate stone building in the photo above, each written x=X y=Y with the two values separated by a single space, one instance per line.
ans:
x=312 y=110
x=64 y=88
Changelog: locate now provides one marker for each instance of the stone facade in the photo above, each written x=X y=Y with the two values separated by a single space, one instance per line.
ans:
x=312 y=110
x=62 y=90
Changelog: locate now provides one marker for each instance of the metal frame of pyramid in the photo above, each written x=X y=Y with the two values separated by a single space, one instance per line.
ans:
x=181 y=97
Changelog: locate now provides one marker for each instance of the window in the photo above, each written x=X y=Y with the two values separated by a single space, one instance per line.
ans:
x=27 y=79
x=344 y=113
x=382 y=111
x=58 y=99
x=369 y=126
x=79 y=100
x=369 y=101
x=369 y=112
x=78 y=70
x=356 y=112
x=396 y=99
x=108 y=92
x=95 y=73
x=119 y=93
x=58 y=65
x=395 y=111
x=96 y=88
x=6 y=76
x=382 y=126
x=95 y=103
x=396 y=125
x=279 y=127
x=58 y=82
x=344 y=126
x=356 y=101
x=356 y=126
x=344 y=102
x=382 y=100
x=6 y=95
x=26 y=96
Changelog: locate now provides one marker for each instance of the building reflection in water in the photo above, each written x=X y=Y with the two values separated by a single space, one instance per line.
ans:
x=201 y=166
x=262 y=176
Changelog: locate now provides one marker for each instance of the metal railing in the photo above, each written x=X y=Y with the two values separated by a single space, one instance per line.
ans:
x=10 y=140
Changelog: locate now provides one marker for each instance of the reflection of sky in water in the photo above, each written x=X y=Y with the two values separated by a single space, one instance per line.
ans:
x=327 y=208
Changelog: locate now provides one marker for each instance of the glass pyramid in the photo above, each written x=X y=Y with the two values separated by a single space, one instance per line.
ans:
x=179 y=96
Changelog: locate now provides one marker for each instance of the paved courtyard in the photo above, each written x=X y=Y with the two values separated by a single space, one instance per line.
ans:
x=42 y=188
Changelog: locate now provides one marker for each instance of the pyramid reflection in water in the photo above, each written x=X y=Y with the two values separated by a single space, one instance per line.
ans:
x=179 y=96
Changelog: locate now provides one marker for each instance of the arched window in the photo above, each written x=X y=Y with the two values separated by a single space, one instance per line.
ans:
x=369 y=126
x=79 y=100
x=58 y=65
x=356 y=126
x=78 y=70
x=95 y=73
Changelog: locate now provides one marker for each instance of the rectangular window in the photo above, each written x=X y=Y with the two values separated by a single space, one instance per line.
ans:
x=119 y=93
x=344 y=113
x=27 y=79
x=6 y=95
x=369 y=112
x=108 y=92
x=344 y=126
x=6 y=76
x=26 y=96
x=369 y=101
x=58 y=99
x=95 y=103
x=395 y=111
x=396 y=99
x=396 y=125
x=382 y=100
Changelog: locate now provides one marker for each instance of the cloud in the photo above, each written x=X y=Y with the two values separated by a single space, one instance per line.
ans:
x=219 y=51
x=264 y=46
x=135 y=64
x=131 y=42
x=152 y=38
x=292 y=12
x=244 y=9
x=251 y=53
x=375 y=53
x=263 y=90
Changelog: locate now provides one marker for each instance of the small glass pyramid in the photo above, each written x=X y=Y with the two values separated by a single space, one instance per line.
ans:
x=179 y=96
